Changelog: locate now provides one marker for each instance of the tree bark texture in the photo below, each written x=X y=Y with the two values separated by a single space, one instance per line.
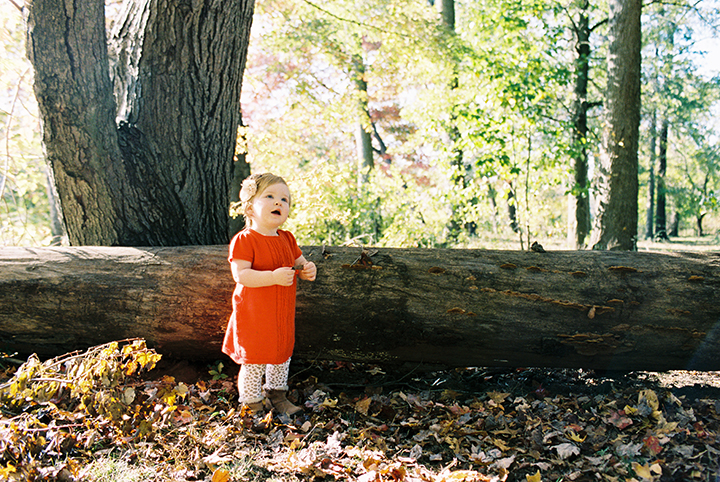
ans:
x=661 y=232
x=581 y=205
x=163 y=175
x=66 y=45
x=617 y=220
x=589 y=309
x=186 y=62
x=650 y=215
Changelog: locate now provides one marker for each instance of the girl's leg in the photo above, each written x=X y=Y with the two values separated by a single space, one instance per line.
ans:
x=276 y=387
x=276 y=376
x=250 y=383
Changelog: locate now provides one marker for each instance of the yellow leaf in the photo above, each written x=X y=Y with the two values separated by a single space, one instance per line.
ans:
x=650 y=397
x=630 y=410
x=220 y=475
x=181 y=389
x=329 y=403
x=464 y=476
x=6 y=471
x=500 y=444
x=534 y=478
x=575 y=437
x=642 y=471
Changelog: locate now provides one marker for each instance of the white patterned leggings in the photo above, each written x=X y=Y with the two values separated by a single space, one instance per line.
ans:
x=250 y=380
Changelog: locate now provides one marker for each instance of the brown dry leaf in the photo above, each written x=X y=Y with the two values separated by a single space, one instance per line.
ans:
x=363 y=405
x=498 y=397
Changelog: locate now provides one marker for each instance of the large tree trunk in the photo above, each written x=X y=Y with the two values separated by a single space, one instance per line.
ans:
x=590 y=309
x=617 y=220
x=163 y=177
x=66 y=45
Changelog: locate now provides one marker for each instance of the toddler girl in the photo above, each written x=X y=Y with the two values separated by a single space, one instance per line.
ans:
x=264 y=260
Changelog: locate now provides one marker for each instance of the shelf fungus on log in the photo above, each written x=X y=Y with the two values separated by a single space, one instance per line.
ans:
x=455 y=307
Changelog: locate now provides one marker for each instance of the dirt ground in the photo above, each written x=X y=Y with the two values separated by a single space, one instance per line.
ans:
x=354 y=377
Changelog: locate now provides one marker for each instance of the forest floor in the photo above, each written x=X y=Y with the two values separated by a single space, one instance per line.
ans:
x=364 y=423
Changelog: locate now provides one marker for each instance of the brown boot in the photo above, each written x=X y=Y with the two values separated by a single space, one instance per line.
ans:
x=258 y=408
x=279 y=401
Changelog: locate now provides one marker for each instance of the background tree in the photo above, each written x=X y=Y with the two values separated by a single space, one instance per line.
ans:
x=163 y=175
x=582 y=137
x=617 y=220
x=514 y=108
x=680 y=98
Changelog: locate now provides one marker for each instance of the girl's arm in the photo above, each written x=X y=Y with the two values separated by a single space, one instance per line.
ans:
x=308 y=271
x=244 y=274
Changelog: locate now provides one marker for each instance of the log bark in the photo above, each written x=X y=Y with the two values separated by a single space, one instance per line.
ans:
x=581 y=309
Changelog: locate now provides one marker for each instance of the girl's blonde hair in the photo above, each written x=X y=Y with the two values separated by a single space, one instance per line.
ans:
x=253 y=186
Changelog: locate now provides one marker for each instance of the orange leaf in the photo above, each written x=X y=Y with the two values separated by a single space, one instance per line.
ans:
x=221 y=475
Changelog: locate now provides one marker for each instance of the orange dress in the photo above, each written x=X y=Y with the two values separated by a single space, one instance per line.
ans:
x=261 y=329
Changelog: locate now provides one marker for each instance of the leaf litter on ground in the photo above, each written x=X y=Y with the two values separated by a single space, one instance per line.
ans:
x=361 y=422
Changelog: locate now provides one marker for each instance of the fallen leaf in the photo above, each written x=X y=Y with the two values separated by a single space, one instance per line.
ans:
x=647 y=471
x=533 y=478
x=618 y=419
x=465 y=476
x=566 y=450
x=652 y=444
x=221 y=475
x=575 y=437
x=363 y=405
x=629 y=449
x=498 y=397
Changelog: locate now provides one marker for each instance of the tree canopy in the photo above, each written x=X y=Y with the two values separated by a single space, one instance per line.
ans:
x=394 y=129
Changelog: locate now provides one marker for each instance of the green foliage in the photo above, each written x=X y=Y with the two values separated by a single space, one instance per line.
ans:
x=473 y=123
x=24 y=207
x=90 y=397
x=215 y=371
x=677 y=92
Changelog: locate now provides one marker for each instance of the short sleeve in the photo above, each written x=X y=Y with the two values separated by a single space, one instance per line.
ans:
x=241 y=248
x=297 y=252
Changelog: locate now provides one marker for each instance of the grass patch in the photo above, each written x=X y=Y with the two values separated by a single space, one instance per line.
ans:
x=114 y=469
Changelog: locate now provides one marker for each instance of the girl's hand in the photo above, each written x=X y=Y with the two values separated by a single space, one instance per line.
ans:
x=308 y=272
x=284 y=276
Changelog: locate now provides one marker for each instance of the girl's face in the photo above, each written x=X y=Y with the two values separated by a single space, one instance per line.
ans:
x=270 y=209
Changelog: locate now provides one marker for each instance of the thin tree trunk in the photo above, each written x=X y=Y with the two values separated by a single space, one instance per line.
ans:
x=699 y=225
x=363 y=136
x=56 y=224
x=650 y=217
x=661 y=214
x=241 y=170
x=580 y=130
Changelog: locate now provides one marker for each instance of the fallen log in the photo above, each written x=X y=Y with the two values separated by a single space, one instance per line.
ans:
x=575 y=309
